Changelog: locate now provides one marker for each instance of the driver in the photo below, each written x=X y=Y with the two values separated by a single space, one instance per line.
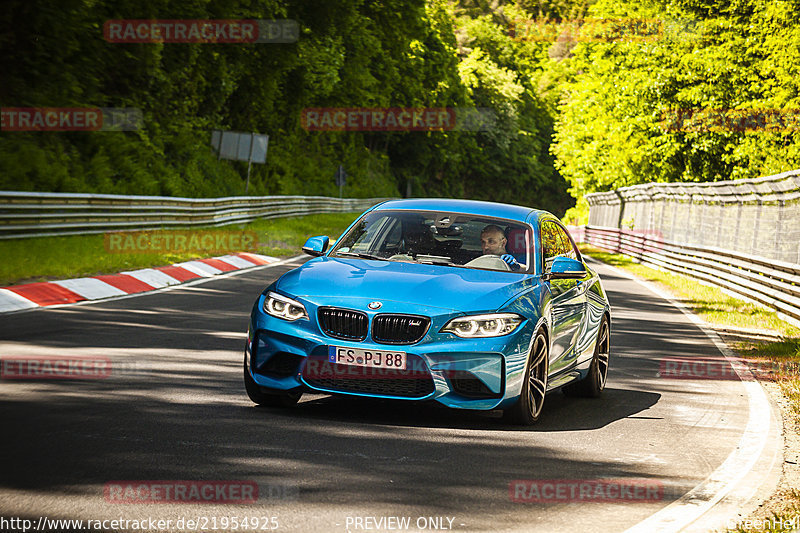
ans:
x=493 y=242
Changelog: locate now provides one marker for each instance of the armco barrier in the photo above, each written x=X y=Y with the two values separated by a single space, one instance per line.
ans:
x=770 y=282
x=30 y=214
x=759 y=216
x=742 y=235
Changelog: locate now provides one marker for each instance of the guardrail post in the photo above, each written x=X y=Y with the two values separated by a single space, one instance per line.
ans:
x=738 y=224
x=672 y=234
x=798 y=251
x=651 y=225
x=621 y=209
x=698 y=238
x=778 y=229
x=755 y=227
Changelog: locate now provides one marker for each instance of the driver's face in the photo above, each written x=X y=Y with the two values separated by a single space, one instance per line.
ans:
x=493 y=242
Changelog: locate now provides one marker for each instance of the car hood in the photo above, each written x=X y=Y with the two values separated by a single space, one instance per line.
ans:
x=451 y=288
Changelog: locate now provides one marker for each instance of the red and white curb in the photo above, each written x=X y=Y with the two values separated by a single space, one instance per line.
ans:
x=68 y=291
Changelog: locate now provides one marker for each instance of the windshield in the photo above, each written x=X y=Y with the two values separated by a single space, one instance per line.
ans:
x=451 y=239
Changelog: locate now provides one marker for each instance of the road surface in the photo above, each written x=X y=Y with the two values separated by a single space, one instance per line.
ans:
x=174 y=408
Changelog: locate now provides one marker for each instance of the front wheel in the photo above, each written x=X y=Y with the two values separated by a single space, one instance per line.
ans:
x=277 y=399
x=528 y=408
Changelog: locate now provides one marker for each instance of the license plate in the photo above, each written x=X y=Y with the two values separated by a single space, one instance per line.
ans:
x=369 y=358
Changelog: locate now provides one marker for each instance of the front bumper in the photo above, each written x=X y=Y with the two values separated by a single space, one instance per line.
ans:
x=460 y=373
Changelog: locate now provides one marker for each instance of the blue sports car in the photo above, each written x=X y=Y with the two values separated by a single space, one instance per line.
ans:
x=476 y=305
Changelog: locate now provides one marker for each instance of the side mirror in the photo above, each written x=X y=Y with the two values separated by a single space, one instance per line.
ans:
x=316 y=246
x=566 y=268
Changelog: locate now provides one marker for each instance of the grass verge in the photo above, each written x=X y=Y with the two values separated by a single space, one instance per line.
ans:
x=770 y=345
x=53 y=258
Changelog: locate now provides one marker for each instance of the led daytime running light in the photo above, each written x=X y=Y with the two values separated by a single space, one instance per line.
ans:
x=283 y=307
x=478 y=326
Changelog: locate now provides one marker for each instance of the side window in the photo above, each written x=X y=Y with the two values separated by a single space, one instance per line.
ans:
x=566 y=249
x=551 y=242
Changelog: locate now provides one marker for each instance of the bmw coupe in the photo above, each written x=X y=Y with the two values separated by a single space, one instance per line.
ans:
x=475 y=305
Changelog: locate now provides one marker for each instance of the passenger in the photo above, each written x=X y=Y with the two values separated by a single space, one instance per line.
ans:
x=493 y=242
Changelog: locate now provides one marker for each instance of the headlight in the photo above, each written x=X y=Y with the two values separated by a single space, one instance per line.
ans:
x=493 y=325
x=283 y=307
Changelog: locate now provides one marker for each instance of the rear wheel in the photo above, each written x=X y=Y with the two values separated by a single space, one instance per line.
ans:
x=528 y=408
x=276 y=399
x=595 y=381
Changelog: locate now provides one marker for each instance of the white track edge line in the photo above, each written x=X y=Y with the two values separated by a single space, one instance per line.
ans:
x=691 y=506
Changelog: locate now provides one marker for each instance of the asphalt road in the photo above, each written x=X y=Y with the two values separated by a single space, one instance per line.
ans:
x=174 y=408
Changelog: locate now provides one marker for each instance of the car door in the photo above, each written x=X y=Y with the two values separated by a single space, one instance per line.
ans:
x=568 y=299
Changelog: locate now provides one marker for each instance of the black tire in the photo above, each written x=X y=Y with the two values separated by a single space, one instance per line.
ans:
x=276 y=399
x=595 y=381
x=528 y=408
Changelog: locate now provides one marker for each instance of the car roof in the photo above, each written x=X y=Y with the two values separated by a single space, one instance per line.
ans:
x=473 y=207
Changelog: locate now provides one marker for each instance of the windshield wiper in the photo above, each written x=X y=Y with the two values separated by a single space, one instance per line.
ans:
x=433 y=259
x=362 y=255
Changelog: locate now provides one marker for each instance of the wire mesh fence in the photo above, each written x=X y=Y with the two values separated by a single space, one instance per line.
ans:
x=758 y=216
x=742 y=235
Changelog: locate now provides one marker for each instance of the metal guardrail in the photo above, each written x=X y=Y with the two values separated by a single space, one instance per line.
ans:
x=775 y=284
x=742 y=235
x=759 y=216
x=29 y=214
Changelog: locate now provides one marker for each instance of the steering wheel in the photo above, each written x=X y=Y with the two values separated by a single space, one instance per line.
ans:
x=490 y=261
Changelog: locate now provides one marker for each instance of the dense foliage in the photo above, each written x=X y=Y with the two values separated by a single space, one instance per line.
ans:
x=591 y=110
x=350 y=53
x=619 y=121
